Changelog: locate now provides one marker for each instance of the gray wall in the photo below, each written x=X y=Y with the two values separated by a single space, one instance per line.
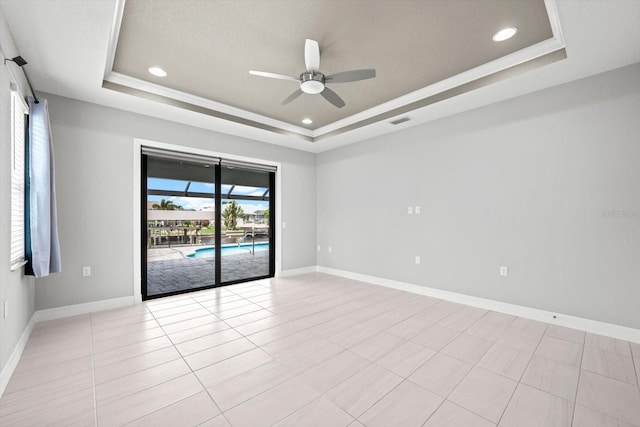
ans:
x=94 y=172
x=15 y=288
x=547 y=184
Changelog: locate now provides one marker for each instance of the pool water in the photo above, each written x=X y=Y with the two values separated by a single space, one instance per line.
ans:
x=245 y=248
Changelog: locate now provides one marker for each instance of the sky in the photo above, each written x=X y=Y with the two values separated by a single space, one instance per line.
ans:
x=205 y=204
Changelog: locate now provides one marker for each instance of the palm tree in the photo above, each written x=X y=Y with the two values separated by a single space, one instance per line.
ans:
x=166 y=205
x=231 y=213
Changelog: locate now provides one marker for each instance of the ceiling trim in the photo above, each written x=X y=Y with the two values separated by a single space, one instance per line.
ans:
x=547 y=51
x=113 y=36
x=216 y=109
x=168 y=100
x=450 y=93
x=525 y=56
x=554 y=20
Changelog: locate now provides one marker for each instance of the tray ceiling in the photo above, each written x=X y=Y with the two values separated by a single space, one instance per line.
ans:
x=423 y=52
x=73 y=50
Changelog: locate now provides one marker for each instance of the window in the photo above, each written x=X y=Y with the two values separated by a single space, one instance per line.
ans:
x=18 y=112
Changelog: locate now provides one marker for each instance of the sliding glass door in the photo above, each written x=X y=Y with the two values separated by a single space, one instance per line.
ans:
x=246 y=213
x=206 y=223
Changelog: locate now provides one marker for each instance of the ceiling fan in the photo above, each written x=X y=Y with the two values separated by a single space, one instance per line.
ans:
x=312 y=81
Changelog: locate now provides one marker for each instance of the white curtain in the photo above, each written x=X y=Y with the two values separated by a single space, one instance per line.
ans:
x=43 y=248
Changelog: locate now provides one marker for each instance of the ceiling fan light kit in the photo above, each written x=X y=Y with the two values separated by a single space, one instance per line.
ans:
x=313 y=82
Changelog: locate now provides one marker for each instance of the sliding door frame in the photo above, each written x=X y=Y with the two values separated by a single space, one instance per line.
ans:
x=143 y=220
x=274 y=202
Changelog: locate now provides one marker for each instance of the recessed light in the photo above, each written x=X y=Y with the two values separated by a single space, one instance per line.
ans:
x=504 y=34
x=157 y=71
x=307 y=121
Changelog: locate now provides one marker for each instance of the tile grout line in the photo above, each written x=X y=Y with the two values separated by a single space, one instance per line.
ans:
x=386 y=394
x=207 y=390
x=257 y=367
x=575 y=398
x=636 y=367
x=93 y=372
x=525 y=369
x=402 y=379
x=600 y=374
x=164 y=382
x=425 y=362
x=192 y=373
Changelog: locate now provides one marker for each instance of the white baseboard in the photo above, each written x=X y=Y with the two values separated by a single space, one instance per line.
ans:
x=12 y=363
x=592 y=326
x=298 y=271
x=76 y=309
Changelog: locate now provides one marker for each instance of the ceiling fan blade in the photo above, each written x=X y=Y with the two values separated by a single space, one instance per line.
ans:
x=274 y=75
x=351 y=76
x=312 y=55
x=332 y=97
x=291 y=97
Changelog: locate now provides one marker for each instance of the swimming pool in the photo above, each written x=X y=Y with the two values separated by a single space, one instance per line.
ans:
x=244 y=248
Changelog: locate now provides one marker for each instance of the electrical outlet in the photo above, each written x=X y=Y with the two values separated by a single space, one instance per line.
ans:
x=284 y=224
x=504 y=271
x=5 y=311
x=409 y=210
x=86 y=271
x=417 y=260
x=318 y=248
x=329 y=249
x=417 y=210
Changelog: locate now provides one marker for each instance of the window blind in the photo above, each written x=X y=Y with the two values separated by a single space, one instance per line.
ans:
x=247 y=165
x=179 y=155
x=18 y=112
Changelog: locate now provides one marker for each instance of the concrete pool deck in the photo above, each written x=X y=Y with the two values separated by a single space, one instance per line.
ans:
x=169 y=269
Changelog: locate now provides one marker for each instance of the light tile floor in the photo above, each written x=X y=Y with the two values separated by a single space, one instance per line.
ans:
x=318 y=350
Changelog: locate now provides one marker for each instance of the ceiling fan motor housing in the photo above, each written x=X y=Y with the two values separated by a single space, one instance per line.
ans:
x=312 y=82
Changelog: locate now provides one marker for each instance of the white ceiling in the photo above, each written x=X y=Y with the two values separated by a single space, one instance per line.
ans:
x=70 y=47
